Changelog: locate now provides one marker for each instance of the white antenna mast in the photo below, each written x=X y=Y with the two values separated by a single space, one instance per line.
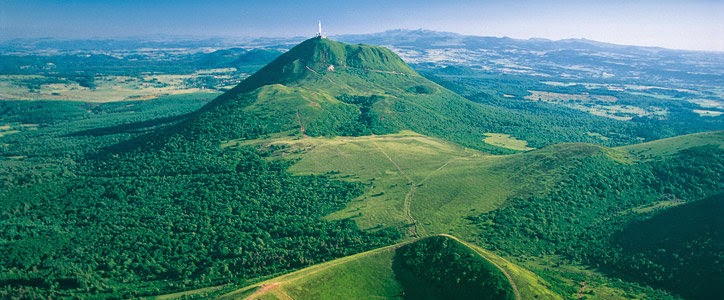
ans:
x=319 y=34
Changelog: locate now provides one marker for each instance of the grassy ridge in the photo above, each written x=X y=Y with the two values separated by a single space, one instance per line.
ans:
x=670 y=146
x=387 y=273
x=579 y=217
x=528 y=284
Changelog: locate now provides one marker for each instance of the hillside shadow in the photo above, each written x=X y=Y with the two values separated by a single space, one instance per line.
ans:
x=413 y=287
x=134 y=127
x=438 y=267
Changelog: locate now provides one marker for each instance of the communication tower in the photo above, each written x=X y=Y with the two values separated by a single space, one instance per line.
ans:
x=319 y=33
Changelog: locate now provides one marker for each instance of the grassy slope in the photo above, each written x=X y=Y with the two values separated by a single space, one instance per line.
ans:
x=375 y=264
x=528 y=284
x=670 y=146
x=429 y=173
x=372 y=276
x=449 y=182
x=506 y=141
x=412 y=177
x=652 y=201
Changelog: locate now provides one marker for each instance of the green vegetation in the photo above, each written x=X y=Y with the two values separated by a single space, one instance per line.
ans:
x=543 y=187
x=370 y=273
x=441 y=182
x=441 y=268
x=579 y=218
x=82 y=67
x=527 y=284
x=369 y=90
x=452 y=270
x=685 y=240
x=167 y=222
x=130 y=199
x=542 y=124
x=71 y=128
x=430 y=180
x=138 y=74
x=152 y=222
x=506 y=141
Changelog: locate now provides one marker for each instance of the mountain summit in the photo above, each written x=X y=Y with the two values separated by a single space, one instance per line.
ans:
x=327 y=88
x=318 y=56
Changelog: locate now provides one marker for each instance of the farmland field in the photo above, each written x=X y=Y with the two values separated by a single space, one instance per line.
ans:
x=506 y=141
x=110 y=88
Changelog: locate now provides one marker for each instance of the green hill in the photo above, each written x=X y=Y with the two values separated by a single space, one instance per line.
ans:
x=687 y=240
x=437 y=267
x=326 y=88
x=671 y=146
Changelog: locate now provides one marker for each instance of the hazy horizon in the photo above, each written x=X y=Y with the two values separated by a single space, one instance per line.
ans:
x=689 y=25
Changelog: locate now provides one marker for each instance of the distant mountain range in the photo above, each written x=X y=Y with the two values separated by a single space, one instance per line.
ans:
x=575 y=59
x=400 y=37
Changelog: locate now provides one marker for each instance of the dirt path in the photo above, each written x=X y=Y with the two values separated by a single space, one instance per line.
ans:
x=408 y=197
x=416 y=230
x=437 y=170
x=409 y=179
x=276 y=287
x=583 y=289
x=301 y=125
x=310 y=69
x=408 y=212
x=268 y=287
x=385 y=72
x=190 y=293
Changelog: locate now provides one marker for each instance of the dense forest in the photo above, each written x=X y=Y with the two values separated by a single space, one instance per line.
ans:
x=438 y=267
x=153 y=221
x=681 y=248
x=586 y=218
x=242 y=218
x=52 y=129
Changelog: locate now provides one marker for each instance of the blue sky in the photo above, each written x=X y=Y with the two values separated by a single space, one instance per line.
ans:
x=690 y=24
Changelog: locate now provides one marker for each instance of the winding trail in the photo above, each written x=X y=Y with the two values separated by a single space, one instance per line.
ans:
x=581 y=290
x=438 y=169
x=310 y=69
x=408 y=196
x=301 y=125
x=416 y=230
